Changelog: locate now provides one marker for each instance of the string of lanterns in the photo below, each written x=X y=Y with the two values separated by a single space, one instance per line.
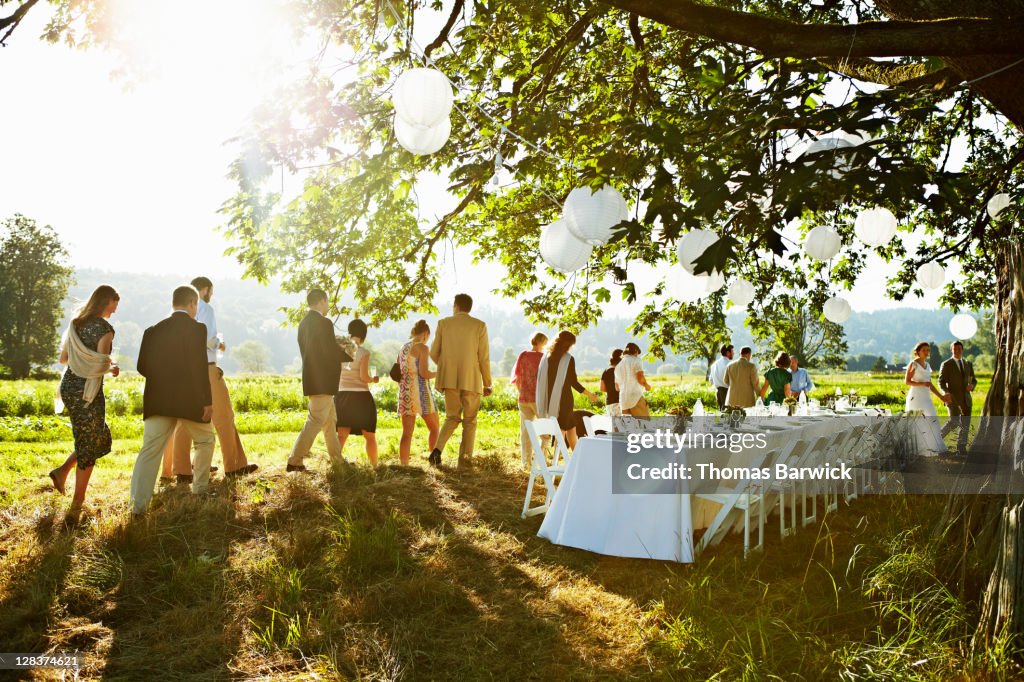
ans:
x=423 y=100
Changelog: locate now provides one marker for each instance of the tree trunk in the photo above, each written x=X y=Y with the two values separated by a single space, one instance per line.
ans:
x=995 y=521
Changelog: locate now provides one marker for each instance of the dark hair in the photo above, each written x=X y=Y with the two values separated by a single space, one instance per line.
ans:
x=561 y=345
x=97 y=303
x=726 y=348
x=201 y=283
x=315 y=296
x=184 y=295
x=746 y=350
x=616 y=357
x=357 y=328
x=631 y=349
x=418 y=328
x=538 y=338
x=782 y=360
x=920 y=345
x=464 y=302
x=957 y=343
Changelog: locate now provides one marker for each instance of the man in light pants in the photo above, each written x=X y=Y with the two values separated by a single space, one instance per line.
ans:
x=321 y=373
x=172 y=358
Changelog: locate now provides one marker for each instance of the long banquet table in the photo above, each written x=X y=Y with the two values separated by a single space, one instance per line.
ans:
x=586 y=514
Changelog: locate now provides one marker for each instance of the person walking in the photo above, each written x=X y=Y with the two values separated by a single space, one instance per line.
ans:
x=956 y=379
x=716 y=374
x=176 y=456
x=85 y=351
x=741 y=378
x=777 y=380
x=354 y=405
x=172 y=358
x=415 y=397
x=556 y=380
x=321 y=374
x=631 y=383
x=607 y=385
x=463 y=357
x=524 y=376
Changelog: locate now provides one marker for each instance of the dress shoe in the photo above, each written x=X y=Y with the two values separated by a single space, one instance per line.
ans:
x=296 y=467
x=434 y=458
x=242 y=471
x=184 y=479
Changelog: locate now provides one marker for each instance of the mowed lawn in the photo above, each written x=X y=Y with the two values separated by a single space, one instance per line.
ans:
x=411 y=573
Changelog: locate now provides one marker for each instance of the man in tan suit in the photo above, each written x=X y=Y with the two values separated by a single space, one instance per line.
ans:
x=741 y=378
x=463 y=357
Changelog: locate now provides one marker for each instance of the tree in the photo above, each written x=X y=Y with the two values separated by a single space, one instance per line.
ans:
x=791 y=324
x=253 y=357
x=696 y=331
x=508 y=361
x=935 y=358
x=34 y=278
x=696 y=111
x=880 y=365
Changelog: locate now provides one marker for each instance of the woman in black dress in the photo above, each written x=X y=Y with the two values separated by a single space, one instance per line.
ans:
x=353 y=403
x=88 y=416
x=561 y=405
x=608 y=385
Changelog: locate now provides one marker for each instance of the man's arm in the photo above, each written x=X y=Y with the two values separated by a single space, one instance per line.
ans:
x=753 y=380
x=944 y=377
x=143 y=363
x=725 y=375
x=484 y=356
x=435 y=345
x=206 y=316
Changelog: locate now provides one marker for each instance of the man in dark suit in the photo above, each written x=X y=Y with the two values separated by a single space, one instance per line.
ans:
x=173 y=360
x=321 y=373
x=956 y=378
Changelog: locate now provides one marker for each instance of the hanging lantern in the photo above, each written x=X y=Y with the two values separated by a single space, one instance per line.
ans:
x=841 y=166
x=875 y=226
x=963 y=326
x=561 y=250
x=591 y=215
x=421 y=140
x=931 y=275
x=687 y=288
x=837 y=310
x=692 y=246
x=822 y=243
x=422 y=97
x=998 y=204
x=741 y=293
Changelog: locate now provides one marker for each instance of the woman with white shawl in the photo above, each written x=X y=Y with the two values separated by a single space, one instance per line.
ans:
x=556 y=379
x=85 y=349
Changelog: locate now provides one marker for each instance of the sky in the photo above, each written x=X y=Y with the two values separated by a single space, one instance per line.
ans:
x=131 y=175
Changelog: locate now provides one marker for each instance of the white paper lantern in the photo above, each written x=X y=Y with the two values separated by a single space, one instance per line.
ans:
x=998 y=204
x=687 y=288
x=963 y=326
x=842 y=165
x=591 y=215
x=423 y=97
x=875 y=226
x=421 y=140
x=931 y=275
x=741 y=293
x=561 y=250
x=692 y=246
x=822 y=243
x=837 y=310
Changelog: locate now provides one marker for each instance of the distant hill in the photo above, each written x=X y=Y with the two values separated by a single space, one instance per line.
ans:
x=246 y=310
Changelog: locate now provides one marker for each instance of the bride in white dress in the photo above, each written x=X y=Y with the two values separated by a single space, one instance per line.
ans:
x=919 y=398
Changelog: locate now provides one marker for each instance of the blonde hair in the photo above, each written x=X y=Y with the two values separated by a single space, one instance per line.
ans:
x=537 y=339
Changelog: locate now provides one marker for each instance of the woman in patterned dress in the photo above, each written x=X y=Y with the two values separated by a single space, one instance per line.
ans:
x=415 y=397
x=88 y=417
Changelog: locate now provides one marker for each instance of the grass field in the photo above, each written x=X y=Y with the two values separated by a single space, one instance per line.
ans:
x=412 y=573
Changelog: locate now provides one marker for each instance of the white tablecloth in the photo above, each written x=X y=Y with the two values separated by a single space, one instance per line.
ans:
x=585 y=514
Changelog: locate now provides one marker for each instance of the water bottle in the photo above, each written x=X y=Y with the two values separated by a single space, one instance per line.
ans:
x=698 y=408
x=803 y=398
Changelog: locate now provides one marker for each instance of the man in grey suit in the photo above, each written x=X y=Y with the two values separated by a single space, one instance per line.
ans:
x=741 y=378
x=956 y=379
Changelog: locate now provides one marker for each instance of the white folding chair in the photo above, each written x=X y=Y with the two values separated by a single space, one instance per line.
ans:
x=598 y=422
x=547 y=426
x=747 y=495
x=791 y=454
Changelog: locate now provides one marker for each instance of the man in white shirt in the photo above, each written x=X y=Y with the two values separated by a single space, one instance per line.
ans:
x=717 y=374
x=232 y=452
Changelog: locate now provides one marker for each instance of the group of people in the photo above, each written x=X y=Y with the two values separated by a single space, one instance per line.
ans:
x=738 y=384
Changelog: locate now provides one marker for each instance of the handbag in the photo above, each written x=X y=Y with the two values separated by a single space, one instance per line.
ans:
x=396 y=372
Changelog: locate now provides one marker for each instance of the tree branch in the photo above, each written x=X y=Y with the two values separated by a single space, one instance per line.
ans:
x=780 y=38
x=889 y=74
x=442 y=37
x=11 y=22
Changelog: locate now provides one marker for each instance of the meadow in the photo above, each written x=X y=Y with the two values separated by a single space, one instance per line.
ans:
x=415 y=573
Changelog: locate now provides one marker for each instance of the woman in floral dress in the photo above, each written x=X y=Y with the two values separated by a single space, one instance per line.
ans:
x=415 y=397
